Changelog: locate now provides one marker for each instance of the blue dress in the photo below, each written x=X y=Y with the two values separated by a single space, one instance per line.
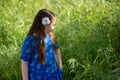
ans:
x=38 y=71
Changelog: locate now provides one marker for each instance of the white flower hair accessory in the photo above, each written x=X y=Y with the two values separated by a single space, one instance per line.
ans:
x=45 y=21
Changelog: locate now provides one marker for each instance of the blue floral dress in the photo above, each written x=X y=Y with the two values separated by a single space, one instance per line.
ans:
x=38 y=71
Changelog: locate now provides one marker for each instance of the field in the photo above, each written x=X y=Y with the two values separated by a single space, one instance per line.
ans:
x=88 y=32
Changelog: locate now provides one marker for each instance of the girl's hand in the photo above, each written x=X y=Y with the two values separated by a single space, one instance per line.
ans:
x=60 y=67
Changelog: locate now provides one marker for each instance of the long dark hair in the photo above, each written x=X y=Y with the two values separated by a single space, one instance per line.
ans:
x=39 y=29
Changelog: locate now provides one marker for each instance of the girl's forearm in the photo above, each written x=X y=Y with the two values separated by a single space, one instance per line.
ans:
x=24 y=67
x=58 y=58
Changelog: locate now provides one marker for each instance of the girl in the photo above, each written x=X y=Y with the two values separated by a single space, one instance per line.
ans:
x=40 y=57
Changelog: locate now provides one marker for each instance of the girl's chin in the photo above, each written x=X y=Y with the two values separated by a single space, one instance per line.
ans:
x=49 y=31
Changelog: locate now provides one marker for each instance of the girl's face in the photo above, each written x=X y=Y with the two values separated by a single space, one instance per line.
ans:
x=50 y=27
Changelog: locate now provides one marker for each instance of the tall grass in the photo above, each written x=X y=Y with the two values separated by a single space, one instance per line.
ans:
x=88 y=32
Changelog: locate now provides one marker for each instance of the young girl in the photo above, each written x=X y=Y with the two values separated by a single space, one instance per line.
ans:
x=40 y=57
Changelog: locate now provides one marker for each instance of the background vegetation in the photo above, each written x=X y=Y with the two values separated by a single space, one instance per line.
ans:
x=88 y=32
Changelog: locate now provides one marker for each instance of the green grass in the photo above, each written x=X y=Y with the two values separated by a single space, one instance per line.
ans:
x=88 y=32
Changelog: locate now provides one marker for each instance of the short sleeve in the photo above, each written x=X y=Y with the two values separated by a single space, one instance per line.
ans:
x=27 y=48
x=57 y=45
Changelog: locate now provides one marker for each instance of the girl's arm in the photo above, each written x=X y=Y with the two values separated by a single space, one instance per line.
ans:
x=24 y=67
x=58 y=58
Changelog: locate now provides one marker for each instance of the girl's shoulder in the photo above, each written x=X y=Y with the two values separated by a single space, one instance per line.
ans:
x=30 y=39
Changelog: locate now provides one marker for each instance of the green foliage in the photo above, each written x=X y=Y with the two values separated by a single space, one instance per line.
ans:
x=10 y=63
x=87 y=30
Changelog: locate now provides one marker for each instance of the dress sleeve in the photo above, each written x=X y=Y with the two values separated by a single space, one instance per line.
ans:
x=57 y=45
x=26 y=49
